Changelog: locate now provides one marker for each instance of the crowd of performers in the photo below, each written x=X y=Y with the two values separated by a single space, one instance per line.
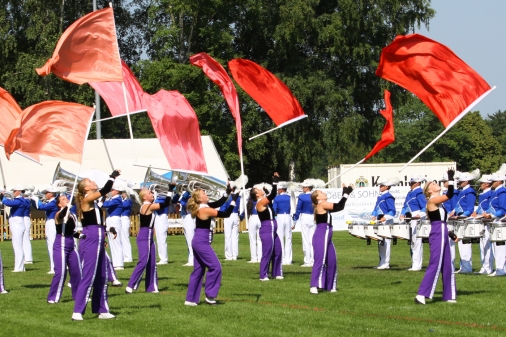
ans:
x=270 y=227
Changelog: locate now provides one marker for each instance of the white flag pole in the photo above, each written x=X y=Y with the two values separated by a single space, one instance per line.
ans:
x=360 y=162
x=113 y=117
x=244 y=191
x=458 y=118
x=280 y=126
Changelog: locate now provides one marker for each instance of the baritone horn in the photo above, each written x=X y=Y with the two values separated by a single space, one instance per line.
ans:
x=214 y=187
x=156 y=182
x=64 y=179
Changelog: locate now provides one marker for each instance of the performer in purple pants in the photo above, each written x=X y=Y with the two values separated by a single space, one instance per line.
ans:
x=91 y=250
x=145 y=243
x=324 y=273
x=203 y=254
x=64 y=253
x=2 y=285
x=440 y=258
x=271 y=245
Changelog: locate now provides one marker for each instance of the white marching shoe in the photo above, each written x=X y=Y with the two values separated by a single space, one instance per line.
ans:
x=190 y=304
x=419 y=299
x=106 y=315
x=264 y=279
x=313 y=290
x=210 y=300
x=77 y=316
x=129 y=290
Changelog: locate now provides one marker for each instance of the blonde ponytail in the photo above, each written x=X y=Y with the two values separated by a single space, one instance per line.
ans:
x=193 y=205
x=314 y=201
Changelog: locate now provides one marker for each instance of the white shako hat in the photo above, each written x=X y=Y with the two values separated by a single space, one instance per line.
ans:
x=282 y=185
x=445 y=177
x=466 y=176
x=262 y=185
x=18 y=187
x=499 y=175
x=390 y=182
x=315 y=183
x=52 y=189
x=485 y=179
x=417 y=178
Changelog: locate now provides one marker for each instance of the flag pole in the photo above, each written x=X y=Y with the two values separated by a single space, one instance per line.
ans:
x=113 y=117
x=3 y=176
x=244 y=190
x=458 y=118
x=340 y=174
x=293 y=120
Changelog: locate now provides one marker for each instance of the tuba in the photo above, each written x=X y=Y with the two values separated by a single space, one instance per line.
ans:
x=214 y=187
x=156 y=182
x=64 y=179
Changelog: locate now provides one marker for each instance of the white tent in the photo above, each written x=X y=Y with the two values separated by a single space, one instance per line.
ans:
x=106 y=155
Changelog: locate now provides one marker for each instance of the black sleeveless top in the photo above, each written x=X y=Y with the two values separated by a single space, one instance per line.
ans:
x=70 y=226
x=203 y=224
x=324 y=218
x=90 y=217
x=267 y=214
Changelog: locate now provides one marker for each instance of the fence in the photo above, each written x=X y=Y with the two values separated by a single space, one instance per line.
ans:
x=38 y=228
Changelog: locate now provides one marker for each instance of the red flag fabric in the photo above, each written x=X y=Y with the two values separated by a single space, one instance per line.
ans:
x=52 y=128
x=430 y=70
x=219 y=76
x=267 y=90
x=387 y=135
x=87 y=51
x=114 y=97
x=177 y=128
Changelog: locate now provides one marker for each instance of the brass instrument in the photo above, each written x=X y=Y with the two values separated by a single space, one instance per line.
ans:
x=156 y=182
x=214 y=187
x=64 y=179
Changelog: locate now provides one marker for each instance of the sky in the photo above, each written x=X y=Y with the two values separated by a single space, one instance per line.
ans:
x=475 y=30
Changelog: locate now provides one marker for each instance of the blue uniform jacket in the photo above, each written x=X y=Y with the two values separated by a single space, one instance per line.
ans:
x=484 y=201
x=304 y=205
x=183 y=201
x=281 y=204
x=126 y=207
x=160 y=199
x=415 y=201
x=224 y=207
x=385 y=204
x=50 y=208
x=466 y=201
x=448 y=205
x=28 y=204
x=114 y=206
x=17 y=206
x=498 y=202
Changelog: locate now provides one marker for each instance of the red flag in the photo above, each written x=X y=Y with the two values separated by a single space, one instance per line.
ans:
x=177 y=128
x=52 y=128
x=87 y=51
x=265 y=88
x=387 y=135
x=113 y=95
x=219 y=76
x=430 y=70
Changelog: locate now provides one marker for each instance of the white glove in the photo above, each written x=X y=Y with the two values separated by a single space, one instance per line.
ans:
x=35 y=198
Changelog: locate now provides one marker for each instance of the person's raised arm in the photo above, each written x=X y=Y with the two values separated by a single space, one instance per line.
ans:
x=449 y=193
x=223 y=199
x=211 y=212
x=106 y=189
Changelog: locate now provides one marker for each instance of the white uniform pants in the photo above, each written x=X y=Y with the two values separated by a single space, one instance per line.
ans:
x=17 y=227
x=115 y=244
x=161 y=227
x=500 y=258
x=384 y=252
x=416 y=248
x=50 y=237
x=452 y=253
x=255 y=244
x=125 y=239
x=285 y=236
x=27 y=245
x=189 y=232
x=307 y=227
x=487 y=258
x=466 y=257
x=231 y=229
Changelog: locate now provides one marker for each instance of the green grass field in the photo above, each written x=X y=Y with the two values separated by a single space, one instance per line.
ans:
x=368 y=301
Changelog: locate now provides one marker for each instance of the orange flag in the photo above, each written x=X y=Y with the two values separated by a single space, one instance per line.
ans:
x=87 y=51
x=52 y=128
x=388 y=134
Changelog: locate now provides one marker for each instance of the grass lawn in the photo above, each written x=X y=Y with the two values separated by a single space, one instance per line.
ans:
x=368 y=301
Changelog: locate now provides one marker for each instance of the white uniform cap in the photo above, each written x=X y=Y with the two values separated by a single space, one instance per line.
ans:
x=445 y=177
x=390 y=182
x=498 y=176
x=416 y=178
x=485 y=179
x=262 y=185
x=307 y=183
x=282 y=185
x=466 y=176
x=51 y=188
x=18 y=187
x=118 y=186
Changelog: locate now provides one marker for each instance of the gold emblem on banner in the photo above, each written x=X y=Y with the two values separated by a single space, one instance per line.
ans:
x=361 y=182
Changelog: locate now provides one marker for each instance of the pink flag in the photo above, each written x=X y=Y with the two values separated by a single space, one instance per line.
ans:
x=387 y=135
x=113 y=95
x=177 y=128
x=52 y=128
x=265 y=88
x=219 y=76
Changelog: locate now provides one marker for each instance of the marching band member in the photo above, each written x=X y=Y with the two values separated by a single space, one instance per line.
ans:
x=114 y=207
x=271 y=245
x=161 y=227
x=440 y=259
x=2 y=284
x=255 y=244
x=487 y=258
x=497 y=210
x=204 y=256
x=27 y=244
x=145 y=243
x=465 y=207
x=384 y=211
x=188 y=226
x=305 y=215
x=92 y=250
x=16 y=225
x=449 y=205
x=231 y=230
x=111 y=273
x=414 y=207
x=282 y=208
x=64 y=253
x=126 y=211
x=50 y=208
x=324 y=272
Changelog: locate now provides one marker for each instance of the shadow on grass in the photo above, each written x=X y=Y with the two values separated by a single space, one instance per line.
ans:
x=297 y=272
x=255 y=296
x=36 y=286
x=151 y=306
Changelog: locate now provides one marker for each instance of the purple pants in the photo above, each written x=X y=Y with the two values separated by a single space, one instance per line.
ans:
x=2 y=285
x=440 y=262
x=147 y=261
x=111 y=273
x=64 y=254
x=94 y=271
x=324 y=273
x=203 y=257
x=271 y=249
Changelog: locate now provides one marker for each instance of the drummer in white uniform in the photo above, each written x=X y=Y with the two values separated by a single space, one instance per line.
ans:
x=487 y=258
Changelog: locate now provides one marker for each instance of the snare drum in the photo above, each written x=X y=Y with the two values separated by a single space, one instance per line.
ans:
x=369 y=232
x=357 y=229
x=474 y=228
x=459 y=227
x=423 y=228
x=497 y=231
x=450 y=225
x=400 y=230
x=382 y=230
